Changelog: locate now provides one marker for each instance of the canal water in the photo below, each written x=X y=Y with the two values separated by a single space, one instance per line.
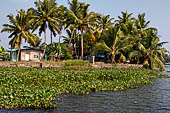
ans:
x=153 y=98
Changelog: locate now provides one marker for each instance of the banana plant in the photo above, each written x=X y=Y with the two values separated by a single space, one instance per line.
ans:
x=114 y=43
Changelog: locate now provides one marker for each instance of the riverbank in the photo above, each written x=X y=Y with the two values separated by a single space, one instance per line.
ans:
x=61 y=64
x=37 y=87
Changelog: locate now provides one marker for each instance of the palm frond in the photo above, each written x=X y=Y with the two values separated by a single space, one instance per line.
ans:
x=102 y=45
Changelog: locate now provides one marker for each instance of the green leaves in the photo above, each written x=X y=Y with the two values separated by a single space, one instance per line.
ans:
x=19 y=28
x=37 y=88
x=102 y=45
x=114 y=43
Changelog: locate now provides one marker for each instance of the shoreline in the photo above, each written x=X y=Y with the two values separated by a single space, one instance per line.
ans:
x=70 y=63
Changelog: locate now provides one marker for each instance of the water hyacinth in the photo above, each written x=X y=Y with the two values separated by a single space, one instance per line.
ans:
x=37 y=88
x=11 y=96
x=5 y=96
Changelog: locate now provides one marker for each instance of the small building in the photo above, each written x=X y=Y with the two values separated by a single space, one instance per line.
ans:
x=97 y=59
x=26 y=54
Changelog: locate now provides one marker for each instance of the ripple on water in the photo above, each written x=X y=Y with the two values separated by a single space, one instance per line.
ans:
x=152 y=98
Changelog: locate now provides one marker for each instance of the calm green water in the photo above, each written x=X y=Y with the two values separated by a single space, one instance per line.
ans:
x=153 y=98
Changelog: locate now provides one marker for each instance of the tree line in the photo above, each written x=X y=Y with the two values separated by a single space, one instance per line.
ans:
x=88 y=33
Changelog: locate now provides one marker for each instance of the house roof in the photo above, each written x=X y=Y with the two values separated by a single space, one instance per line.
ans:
x=31 y=49
x=25 y=49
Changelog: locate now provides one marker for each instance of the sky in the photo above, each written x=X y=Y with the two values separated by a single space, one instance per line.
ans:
x=158 y=11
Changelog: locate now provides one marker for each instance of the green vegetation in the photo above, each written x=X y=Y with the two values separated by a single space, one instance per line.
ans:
x=37 y=88
x=19 y=29
x=68 y=63
x=89 y=33
x=3 y=53
x=127 y=38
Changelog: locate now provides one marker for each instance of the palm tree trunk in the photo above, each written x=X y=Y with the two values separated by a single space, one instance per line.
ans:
x=51 y=40
x=138 y=60
x=75 y=49
x=45 y=45
x=75 y=46
x=18 y=54
x=59 y=52
x=113 y=59
x=82 y=44
x=19 y=51
x=72 y=33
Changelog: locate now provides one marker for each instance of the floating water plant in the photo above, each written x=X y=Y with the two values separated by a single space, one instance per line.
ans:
x=37 y=88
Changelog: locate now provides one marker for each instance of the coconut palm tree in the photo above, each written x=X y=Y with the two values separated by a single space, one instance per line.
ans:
x=126 y=18
x=79 y=13
x=114 y=43
x=61 y=14
x=104 y=22
x=141 y=37
x=126 y=22
x=141 y=24
x=44 y=16
x=19 y=28
x=150 y=49
x=72 y=39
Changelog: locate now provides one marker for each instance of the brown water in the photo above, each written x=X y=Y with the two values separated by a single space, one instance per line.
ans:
x=153 y=98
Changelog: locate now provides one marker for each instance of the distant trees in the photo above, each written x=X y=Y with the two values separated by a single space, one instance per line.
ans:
x=132 y=39
x=127 y=38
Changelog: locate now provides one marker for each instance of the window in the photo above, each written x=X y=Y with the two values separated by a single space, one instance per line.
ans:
x=36 y=56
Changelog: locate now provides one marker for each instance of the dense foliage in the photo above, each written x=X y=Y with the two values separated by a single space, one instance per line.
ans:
x=125 y=39
x=4 y=55
x=37 y=88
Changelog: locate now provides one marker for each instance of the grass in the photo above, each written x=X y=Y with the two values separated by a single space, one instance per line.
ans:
x=37 y=88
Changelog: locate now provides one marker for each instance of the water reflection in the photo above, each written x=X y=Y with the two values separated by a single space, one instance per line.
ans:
x=149 y=98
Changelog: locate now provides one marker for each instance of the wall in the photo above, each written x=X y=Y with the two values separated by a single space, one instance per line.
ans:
x=31 y=55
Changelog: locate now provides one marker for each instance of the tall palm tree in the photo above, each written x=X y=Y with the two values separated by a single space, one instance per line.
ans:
x=151 y=50
x=105 y=22
x=126 y=22
x=114 y=43
x=61 y=14
x=141 y=37
x=44 y=16
x=79 y=12
x=19 y=28
x=126 y=17
x=72 y=38
x=141 y=24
